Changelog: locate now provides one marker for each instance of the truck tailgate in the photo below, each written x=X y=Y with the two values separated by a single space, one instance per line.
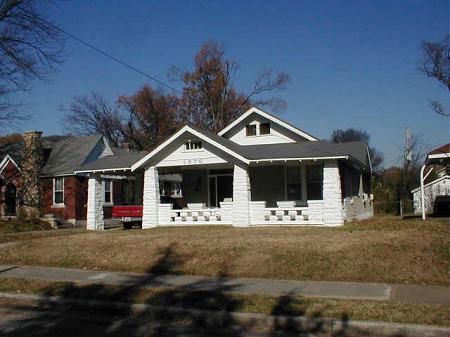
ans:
x=131 y=211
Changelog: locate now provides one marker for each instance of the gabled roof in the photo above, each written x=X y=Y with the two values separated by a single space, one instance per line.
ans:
x=440 y=155
x=69 y=154
x=305 y=150
x=270 y=117
x=217 y=141
x=5 y=161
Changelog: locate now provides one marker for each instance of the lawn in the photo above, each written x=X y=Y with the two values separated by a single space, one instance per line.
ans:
x=15 y=230
x=383 y=249
x=15 y=226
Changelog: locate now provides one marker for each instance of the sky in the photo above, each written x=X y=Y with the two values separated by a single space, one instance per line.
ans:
x=351 y=63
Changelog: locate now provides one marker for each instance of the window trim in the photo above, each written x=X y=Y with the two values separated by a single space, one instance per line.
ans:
x=260 y=129
x=187 y=149
x=61 y=204
x=253 y=126
x=111 y=184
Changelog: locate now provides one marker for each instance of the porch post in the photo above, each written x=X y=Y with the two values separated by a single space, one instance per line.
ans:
x=332 y=197
x=151 y=198
x=95 y=219
x=241 y=196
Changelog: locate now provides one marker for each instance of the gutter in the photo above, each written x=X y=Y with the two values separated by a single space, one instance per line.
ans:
x=104 y=170
x=299 y=159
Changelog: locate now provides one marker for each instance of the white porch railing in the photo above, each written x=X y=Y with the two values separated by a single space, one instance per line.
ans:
x=312 y=214
x=195 y=216
x=309 y=215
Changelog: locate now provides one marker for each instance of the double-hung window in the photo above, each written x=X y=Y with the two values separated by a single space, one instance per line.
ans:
x=250 y=130
x=293 y=183
x=314 y=182
x=107 y=191
x=190 y=146
x=58 y=191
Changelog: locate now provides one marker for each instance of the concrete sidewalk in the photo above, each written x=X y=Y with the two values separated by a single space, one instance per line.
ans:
x=346 y=290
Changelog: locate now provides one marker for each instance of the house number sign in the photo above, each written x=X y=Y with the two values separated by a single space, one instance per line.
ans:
x=193 y=161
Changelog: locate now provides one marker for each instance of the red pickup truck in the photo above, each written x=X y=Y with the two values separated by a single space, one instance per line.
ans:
x=129 y=215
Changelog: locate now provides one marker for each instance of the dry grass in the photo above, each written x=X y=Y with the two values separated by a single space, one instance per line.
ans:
x=384 y=249
x=310 y=307
x=16 y=226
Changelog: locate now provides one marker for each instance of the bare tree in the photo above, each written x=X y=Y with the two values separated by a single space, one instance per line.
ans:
x=436 y=64
x=30 y=47
x=211 y=100
x=152 y=117
x=93 y=114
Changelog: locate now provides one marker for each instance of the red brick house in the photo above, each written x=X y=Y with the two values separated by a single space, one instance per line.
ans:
x=63 y=194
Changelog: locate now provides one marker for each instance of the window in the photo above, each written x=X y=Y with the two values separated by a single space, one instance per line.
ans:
x=107 y=188
x=293 y=183
x=58 y=191
x=189 y=146
x=314 y=182
x=250 y=130
x=264 y=129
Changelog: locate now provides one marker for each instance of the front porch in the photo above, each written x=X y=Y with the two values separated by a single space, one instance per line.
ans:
x=276 y=193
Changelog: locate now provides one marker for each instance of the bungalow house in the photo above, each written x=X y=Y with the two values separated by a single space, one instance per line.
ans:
x=259 y=170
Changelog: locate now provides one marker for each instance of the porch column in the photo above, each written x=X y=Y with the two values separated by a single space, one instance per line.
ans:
x=151 y=198
x=332 y=197
x=241 y=196
x=95 y=204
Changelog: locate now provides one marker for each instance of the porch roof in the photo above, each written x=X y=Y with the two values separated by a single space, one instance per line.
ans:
x=117 y=162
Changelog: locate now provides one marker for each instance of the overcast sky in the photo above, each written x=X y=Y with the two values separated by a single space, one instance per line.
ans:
x=352 y=63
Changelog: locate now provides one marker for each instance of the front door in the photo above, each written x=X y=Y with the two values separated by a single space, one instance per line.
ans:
x=10 y=200
x=220 y=187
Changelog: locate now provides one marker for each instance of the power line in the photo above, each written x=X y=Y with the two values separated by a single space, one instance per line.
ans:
x=108 y=55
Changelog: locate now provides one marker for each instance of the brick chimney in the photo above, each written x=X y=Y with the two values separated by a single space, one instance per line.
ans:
x=30 y=194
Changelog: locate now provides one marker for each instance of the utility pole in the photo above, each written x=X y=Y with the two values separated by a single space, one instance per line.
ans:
x=407 y=158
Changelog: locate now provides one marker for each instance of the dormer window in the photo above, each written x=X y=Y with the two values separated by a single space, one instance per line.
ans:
x=264 y=129
x=250 y=130
x=190 y=146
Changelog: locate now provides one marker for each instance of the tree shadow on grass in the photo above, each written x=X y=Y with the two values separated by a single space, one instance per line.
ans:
x=181 y=311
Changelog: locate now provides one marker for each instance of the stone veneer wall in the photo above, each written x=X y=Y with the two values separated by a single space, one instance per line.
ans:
x=151 y=198
x=241 y=196
x=95 y=219
x=30 y=193
x=332 y=196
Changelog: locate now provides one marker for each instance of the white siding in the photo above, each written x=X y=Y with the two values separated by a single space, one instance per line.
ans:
x=182 y=157
x=440 y=186
x=277 y=135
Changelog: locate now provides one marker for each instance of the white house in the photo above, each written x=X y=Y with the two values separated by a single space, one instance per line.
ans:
x=438 y=160
x=259 y=170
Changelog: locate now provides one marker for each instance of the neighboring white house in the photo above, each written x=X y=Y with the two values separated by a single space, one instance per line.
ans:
x=439 y=161
x=259 y=170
